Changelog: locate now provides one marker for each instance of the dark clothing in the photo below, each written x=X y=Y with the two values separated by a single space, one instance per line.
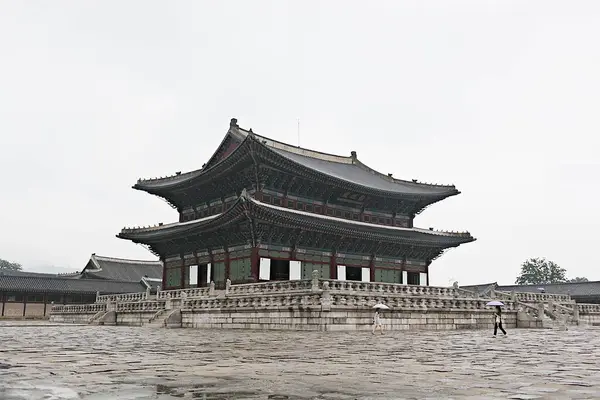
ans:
x=498 y=325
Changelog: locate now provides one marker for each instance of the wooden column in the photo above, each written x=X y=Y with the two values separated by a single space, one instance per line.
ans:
x=24 y=303
x=182 y=280
x=163 y=284
x=227 y=266
x=212 y=266
x=427 y=271
x=333 y=266
x=45 y=301
x=372 y=269
x=3 y=303
x=254 y=264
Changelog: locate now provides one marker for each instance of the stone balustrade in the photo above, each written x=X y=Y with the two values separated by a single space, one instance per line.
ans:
x=424 y=302
x=126 y=297
x=141 y=306
x=269 y=287
x=78 y=308
x=179 y=293
x=532 y=311
x=255 y=302
x=588 y=308
x=391 y=288
x=538 y=297
x=398 y=301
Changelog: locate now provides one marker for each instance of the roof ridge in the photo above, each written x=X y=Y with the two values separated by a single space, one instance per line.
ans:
x=303 y=151
x=126 y=260
x=547 y=284
x=60 y=278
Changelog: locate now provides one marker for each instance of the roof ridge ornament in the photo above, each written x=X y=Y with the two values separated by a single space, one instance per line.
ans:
x=233 y=123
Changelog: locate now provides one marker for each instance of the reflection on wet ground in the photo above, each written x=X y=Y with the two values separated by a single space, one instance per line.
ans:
x=40 y=361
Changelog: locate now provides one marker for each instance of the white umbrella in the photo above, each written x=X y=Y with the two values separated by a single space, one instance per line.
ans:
x=382 y=306
x=495 y=303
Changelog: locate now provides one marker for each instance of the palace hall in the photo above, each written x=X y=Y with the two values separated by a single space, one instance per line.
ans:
x=261 y=210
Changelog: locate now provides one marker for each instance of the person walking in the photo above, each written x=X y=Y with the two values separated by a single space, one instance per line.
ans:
x=377 y=322
x=497 y=321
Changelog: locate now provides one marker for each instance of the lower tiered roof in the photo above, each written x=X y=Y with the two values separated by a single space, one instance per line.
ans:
x=247 y=208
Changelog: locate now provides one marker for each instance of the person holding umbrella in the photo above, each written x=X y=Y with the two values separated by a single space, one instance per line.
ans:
x=497 y=316
x=377 y=317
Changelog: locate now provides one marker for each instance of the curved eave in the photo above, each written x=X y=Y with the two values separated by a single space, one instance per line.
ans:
x=300 y=219
x=164 y=188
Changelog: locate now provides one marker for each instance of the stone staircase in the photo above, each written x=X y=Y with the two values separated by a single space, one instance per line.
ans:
x=166 y=319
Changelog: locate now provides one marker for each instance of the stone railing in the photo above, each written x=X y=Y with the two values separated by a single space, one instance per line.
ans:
x=588 y=308
x=414 y=303
x=142 y=306
x=535 y=312
x=538 y=297
x=179 y=293
x=257 y=301
x=115 y=298
x=558 y=311
x=391 y=288
x=269 y=287
x=78 y=308
x=397 y=302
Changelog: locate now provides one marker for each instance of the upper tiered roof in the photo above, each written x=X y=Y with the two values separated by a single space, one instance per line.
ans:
x=338 y=169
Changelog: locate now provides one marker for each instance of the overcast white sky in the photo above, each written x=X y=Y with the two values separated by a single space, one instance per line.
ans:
x=500 y=98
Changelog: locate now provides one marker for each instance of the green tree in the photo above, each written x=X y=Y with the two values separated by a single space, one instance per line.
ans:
x=7 y=265
x=579 y=279
x=540 y=271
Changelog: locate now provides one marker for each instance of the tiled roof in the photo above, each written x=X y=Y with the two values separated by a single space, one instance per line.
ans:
x=348 y=169
x=118 y=269
x=572 y=289
x=66 y=285
x=413 y=235
x=5 y=272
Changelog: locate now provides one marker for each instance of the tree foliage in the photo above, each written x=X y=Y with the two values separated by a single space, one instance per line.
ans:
x=579 y=279
x=540 y=271
x=10 y=266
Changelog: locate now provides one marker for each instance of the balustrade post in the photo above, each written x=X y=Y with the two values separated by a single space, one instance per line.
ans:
x=211 y=290
x=325 y=297
x=315 y=281
x=227 y=286
x=541 y=311
x=513 y=296
x=97 y=295
x=148 y=293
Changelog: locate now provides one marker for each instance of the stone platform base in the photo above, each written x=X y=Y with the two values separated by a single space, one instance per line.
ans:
x=341 y=319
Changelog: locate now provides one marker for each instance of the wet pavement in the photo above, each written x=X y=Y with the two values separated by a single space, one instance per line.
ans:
x=96 y=363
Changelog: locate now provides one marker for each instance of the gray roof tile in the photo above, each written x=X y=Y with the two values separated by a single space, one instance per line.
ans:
x=121 y=269
x=65 y=285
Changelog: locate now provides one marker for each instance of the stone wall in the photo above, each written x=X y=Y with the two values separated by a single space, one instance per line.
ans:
x=139 y=318
x=73 y=318
x=30 y=310
x=340 y=318
x=591 y=319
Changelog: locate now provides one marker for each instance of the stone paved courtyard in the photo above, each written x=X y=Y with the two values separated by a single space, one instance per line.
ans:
x=95 y=362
